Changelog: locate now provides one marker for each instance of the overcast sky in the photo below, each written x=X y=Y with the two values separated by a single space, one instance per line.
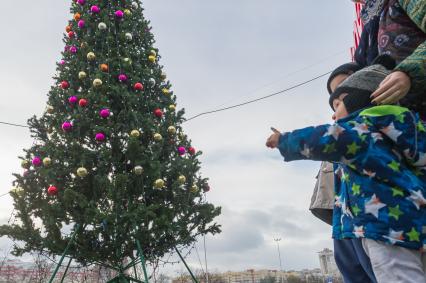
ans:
x=216 y=53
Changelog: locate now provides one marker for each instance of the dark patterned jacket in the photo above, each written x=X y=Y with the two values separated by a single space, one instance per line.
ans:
x=402 y=35
x=380 y=161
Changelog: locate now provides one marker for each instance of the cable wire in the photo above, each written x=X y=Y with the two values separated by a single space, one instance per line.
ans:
x=257 y=99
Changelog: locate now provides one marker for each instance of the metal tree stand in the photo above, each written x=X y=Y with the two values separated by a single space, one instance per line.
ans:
x=121 y=277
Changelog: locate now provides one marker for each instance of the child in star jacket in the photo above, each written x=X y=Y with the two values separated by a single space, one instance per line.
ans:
x=379 y=154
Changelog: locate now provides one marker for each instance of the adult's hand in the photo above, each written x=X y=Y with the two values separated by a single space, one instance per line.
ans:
x=394 y=87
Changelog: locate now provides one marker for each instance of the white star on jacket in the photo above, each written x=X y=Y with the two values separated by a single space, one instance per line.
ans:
x=373 y=206
x=359 y=231
x=334 y=130
x=306 y=152
x=370 y=174
x=391 y=132
x=361 y=128
x=395 y=236
x=376 y=136
x=417 y=198
x=422 y=160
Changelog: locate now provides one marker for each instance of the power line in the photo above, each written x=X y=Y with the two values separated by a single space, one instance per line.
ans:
x=12 y=124
x=224 y=108
x=257 y=99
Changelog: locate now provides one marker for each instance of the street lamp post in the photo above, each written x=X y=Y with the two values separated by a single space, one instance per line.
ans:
x=279 y=257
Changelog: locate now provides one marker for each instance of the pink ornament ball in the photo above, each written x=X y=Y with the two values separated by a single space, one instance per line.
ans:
x=62 y=62
x=73 y=100
x=81 y=2
x=122 y=78
x=73 y=49
x=191 y=150
x=66 y=126
x=66 y=48
x=119 y=14
x=95 y=9
x=104 y=113
x=36 y=161
x=81 y=24
x=181 y=150
x=100 y=137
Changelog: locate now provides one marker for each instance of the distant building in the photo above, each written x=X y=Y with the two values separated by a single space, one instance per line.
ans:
x=327 y=263
x=253 y=276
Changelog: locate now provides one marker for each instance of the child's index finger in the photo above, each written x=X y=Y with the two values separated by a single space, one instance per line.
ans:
x=275 y=130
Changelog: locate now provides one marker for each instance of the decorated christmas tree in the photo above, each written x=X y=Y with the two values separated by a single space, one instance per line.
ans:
x=110 y=162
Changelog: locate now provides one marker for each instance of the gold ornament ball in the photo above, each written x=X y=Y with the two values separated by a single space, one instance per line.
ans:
x=25 y=164
x=82 y=172
x=182 y=179
x=171 y=130
x=165 y=91
x=127 y=12
x=193 y=189
x=47 y=161
x=163 y=75
x=50 y=109
x=172 y=107
x=157 y=137
x=135 y=134
x=82 y=75
x=153 y=53
x=91 y=56
x=159 y=184
x=138 y=170
x=18 y=190
x=97 y=82
x=152 y=58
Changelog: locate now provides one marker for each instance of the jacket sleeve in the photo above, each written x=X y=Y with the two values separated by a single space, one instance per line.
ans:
x=415 y=64
x=401 y=127
x=340 y=142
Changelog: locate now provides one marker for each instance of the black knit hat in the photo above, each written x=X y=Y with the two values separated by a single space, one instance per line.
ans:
x=360 y=85
x=345 y=69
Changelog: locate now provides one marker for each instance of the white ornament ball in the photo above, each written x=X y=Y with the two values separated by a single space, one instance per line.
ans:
x=91 y=56
x=127 y=61
x=82 y=172
x=47 y=161
x=129 y=36
x=97 y=82
x=82 y=75
x=157 y=137
x=163 y=75
x=135 y=5
x=102 y=26
x=50 y=109
x=138 y=170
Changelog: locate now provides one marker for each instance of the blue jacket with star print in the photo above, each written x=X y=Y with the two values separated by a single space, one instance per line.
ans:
x=380 y=172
